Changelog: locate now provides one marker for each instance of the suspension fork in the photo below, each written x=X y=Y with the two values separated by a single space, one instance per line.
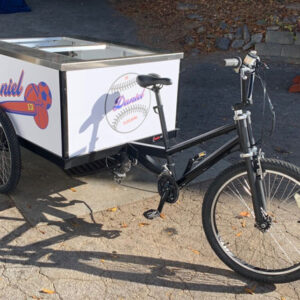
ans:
x=252 y=160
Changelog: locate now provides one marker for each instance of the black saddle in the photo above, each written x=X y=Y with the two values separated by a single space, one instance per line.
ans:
x=152 y=80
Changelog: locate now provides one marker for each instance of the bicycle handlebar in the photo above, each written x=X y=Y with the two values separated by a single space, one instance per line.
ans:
x=246 y=69
x=233 y=62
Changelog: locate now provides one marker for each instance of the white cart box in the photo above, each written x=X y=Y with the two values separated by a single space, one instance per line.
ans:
x=75 y=101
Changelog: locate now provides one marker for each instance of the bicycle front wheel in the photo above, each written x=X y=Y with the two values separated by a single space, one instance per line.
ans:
x=229 y=222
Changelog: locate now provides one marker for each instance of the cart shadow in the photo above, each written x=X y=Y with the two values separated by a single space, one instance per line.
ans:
x=151 y=271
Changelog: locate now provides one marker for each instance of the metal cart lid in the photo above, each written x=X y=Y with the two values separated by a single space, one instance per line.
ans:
x=66 y=54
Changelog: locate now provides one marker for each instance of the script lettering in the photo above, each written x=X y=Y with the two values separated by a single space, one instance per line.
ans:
x=122 y=101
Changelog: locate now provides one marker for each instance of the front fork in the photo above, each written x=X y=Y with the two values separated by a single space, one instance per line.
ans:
x=252 y=158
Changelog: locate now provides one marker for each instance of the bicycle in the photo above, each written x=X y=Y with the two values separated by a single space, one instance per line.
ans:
x=251 y=210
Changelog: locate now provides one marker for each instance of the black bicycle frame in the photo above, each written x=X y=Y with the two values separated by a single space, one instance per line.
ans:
x=142 y=150
x=245 y=140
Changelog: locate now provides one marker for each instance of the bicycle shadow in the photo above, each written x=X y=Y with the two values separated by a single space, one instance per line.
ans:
x=151 y=271
x=97 y=114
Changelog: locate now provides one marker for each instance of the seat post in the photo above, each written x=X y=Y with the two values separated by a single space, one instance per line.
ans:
x=162 y=119
x=164 y=130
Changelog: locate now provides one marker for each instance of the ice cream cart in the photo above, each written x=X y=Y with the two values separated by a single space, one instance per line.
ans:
x=74 y=101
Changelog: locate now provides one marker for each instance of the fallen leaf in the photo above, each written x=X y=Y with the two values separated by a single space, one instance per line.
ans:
x=143 y=224
x=244 y=224
x=163 y=216
x=282 y=298
x=196 y=251
x=281 y=150
x=41 y=231
x=46 y=291
x=124 y=225
x=234 y=228
x=113 y=209
x=238 y=234
x=36 y=298
x=250 y=290
x=102 y=260
x=74 y=224
x=245 y=214
x=73 y=189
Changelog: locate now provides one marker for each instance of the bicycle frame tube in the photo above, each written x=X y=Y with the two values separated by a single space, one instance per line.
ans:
x=142 y=150
x=208 y=162
x=137 y=148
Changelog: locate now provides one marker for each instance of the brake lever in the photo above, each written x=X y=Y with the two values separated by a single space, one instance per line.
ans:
x=263 y=64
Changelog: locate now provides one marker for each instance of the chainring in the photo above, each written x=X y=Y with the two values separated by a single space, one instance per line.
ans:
x=167 y=183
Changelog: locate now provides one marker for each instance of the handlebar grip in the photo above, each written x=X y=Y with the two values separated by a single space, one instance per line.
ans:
x=232 y=62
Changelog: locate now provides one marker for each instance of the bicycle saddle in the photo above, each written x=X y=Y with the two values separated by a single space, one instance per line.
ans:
x=152 y=79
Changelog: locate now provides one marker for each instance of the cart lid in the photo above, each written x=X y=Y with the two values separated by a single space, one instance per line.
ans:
x=65 y=53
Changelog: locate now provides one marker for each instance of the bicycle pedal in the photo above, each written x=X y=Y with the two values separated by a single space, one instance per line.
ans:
x=151 y=214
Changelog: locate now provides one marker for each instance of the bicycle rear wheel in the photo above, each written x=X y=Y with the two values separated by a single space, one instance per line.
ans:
x=229 y=222
x=10 y=157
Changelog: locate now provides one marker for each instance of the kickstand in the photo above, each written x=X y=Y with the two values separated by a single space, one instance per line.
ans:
x=154 y=213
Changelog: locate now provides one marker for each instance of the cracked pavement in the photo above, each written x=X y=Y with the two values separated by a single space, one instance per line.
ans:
x=120 y=255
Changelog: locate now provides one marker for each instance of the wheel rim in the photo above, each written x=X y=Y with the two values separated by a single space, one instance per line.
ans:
x=5 y=158
x=275 y=252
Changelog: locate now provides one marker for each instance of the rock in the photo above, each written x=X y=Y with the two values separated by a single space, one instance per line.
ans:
x=273 y=28
x=229 y=36
x=192 y=25
x=246 y=34
x=256 y=38
x=236 y=44
x=195 y=52
x=297 y=40
x=289 y=20
x=248 y=46
x=210 y=36
x=190 y=41
x=201 y=29
x=280 y=37
x=222 y=43
x=223 y=25
x=237 y=18
x=195 y=17
x=261 y=22
x=239 y=33
x=294 y=6
x=186 y=6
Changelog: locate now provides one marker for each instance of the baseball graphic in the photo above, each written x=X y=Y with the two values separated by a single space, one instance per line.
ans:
x=127 y=104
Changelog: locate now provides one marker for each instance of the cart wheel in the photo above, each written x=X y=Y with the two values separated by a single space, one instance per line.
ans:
x=10 y=157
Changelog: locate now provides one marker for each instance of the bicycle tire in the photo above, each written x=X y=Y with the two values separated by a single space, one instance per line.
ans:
x=228 y=222
x=10 y=156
